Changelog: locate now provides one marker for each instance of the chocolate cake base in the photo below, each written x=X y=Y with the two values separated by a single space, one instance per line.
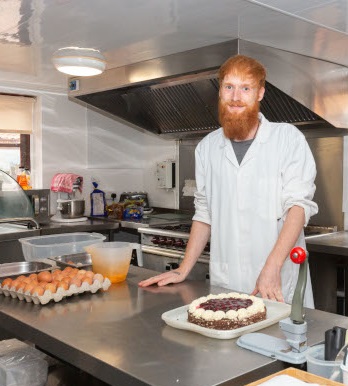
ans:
x=227 y=324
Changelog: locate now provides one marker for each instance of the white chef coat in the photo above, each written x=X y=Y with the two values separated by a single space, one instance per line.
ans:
x=246 y=204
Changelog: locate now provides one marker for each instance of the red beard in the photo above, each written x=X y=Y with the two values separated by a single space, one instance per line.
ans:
x=237 y=126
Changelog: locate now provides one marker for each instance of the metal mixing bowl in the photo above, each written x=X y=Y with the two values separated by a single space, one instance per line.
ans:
x=72 y=208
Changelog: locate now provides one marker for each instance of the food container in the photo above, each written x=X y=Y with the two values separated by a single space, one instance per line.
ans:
x=77 y=260
x=22 y=268
x=42 y=247
x=316 y=364
x=112 y=259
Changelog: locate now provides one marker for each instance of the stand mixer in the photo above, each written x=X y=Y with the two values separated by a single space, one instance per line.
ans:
x=70 y=208
x=293 y=348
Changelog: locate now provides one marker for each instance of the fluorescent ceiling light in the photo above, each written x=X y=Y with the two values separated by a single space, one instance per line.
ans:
x=79 y=61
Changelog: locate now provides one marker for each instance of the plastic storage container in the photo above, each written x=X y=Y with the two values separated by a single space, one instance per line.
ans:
x=42 y=247
x=344 y=369
x=21 y=364
x=316 y=364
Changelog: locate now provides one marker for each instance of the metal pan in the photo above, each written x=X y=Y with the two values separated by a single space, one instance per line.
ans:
x=76 y=260
x=22 y=268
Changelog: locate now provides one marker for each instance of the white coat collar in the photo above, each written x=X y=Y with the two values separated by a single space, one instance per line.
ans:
x=262 y=136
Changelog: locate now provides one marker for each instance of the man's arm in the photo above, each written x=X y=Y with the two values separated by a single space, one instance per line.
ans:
x=199 y=236
x=268 y=284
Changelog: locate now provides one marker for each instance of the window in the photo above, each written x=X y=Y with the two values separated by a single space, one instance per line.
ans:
x=14 y=152
x=16 y=121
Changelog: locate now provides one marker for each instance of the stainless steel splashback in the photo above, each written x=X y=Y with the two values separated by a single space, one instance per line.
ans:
x=328 y=154
x=176 y=95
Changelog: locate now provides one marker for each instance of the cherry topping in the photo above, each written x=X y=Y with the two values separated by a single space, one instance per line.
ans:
x=225 y=304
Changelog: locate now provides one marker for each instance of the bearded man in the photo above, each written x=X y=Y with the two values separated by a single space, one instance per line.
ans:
x=255 y=184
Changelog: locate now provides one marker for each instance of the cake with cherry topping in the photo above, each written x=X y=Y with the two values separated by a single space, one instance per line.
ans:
x=226 y=311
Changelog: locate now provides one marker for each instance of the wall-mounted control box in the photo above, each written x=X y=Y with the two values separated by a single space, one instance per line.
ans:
x=166 y=174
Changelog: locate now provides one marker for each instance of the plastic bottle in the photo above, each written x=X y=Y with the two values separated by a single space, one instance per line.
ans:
x=98 y=202
x=22 y=178
x=28 y=177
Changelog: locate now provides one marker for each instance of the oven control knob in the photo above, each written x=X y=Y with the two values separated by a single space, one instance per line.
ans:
x=179 y=243
x=155 y=240
x=162 y=241
x=170 y=242
x=170 y=266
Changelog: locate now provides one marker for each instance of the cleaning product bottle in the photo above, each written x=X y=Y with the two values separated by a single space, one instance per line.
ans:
x=98 y=202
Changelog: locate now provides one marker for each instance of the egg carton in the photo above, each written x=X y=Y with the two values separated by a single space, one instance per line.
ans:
x=57 y=296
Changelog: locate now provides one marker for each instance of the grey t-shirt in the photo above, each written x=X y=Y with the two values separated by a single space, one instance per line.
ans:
x=240 y=148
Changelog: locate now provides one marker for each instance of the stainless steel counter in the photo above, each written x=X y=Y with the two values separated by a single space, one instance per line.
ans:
x=15 y=232
x=119 y=337
x=90 y=225
x=333 y=243
x=328 y=261
x=154 y=219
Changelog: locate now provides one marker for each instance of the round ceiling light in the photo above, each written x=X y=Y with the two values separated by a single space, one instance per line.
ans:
x=79 y=61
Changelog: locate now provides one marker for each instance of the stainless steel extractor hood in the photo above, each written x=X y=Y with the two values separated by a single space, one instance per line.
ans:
x=177 y=95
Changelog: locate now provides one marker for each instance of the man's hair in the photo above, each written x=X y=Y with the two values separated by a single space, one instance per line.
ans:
x=243 y=66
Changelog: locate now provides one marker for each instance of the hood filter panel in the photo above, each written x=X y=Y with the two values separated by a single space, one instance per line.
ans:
x=190 y=109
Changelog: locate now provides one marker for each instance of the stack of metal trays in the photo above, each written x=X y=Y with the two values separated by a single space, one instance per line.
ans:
x=77 y=260
x=22 y=268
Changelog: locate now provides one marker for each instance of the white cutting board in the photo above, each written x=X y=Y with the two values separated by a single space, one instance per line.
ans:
x=177 y=318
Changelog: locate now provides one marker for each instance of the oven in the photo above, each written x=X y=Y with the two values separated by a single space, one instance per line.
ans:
x=164 y=247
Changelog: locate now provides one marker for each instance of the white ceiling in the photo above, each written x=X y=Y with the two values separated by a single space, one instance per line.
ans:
x=129 y=31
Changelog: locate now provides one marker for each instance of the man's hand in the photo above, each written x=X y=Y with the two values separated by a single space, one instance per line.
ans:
x=174 y=276
x=268 y=284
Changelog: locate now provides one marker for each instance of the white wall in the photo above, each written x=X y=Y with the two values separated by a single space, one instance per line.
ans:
x=70 y=138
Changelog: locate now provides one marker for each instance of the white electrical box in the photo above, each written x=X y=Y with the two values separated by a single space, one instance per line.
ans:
x=166 y=174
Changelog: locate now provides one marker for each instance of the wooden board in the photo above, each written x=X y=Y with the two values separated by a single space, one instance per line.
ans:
x=299 y=374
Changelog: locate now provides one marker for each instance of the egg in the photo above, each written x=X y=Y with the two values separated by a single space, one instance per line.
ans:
x=66 y=280
x=21 y=278
x=38 y=290
x=63 y=285
x=76 y=281
x=21 y=286
x=26 y=280
x=15 y=284
x=33 y=276
x=8 y=281
x=89 y=274
x=66 y=270
x=99 y=277
x=51 y=287
x=58 y=277
x=29 y=287
x=72 y=275
x=88 y=280
x=45 y=276
x=42 y=284
x=56 y=272
x=81 y=272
